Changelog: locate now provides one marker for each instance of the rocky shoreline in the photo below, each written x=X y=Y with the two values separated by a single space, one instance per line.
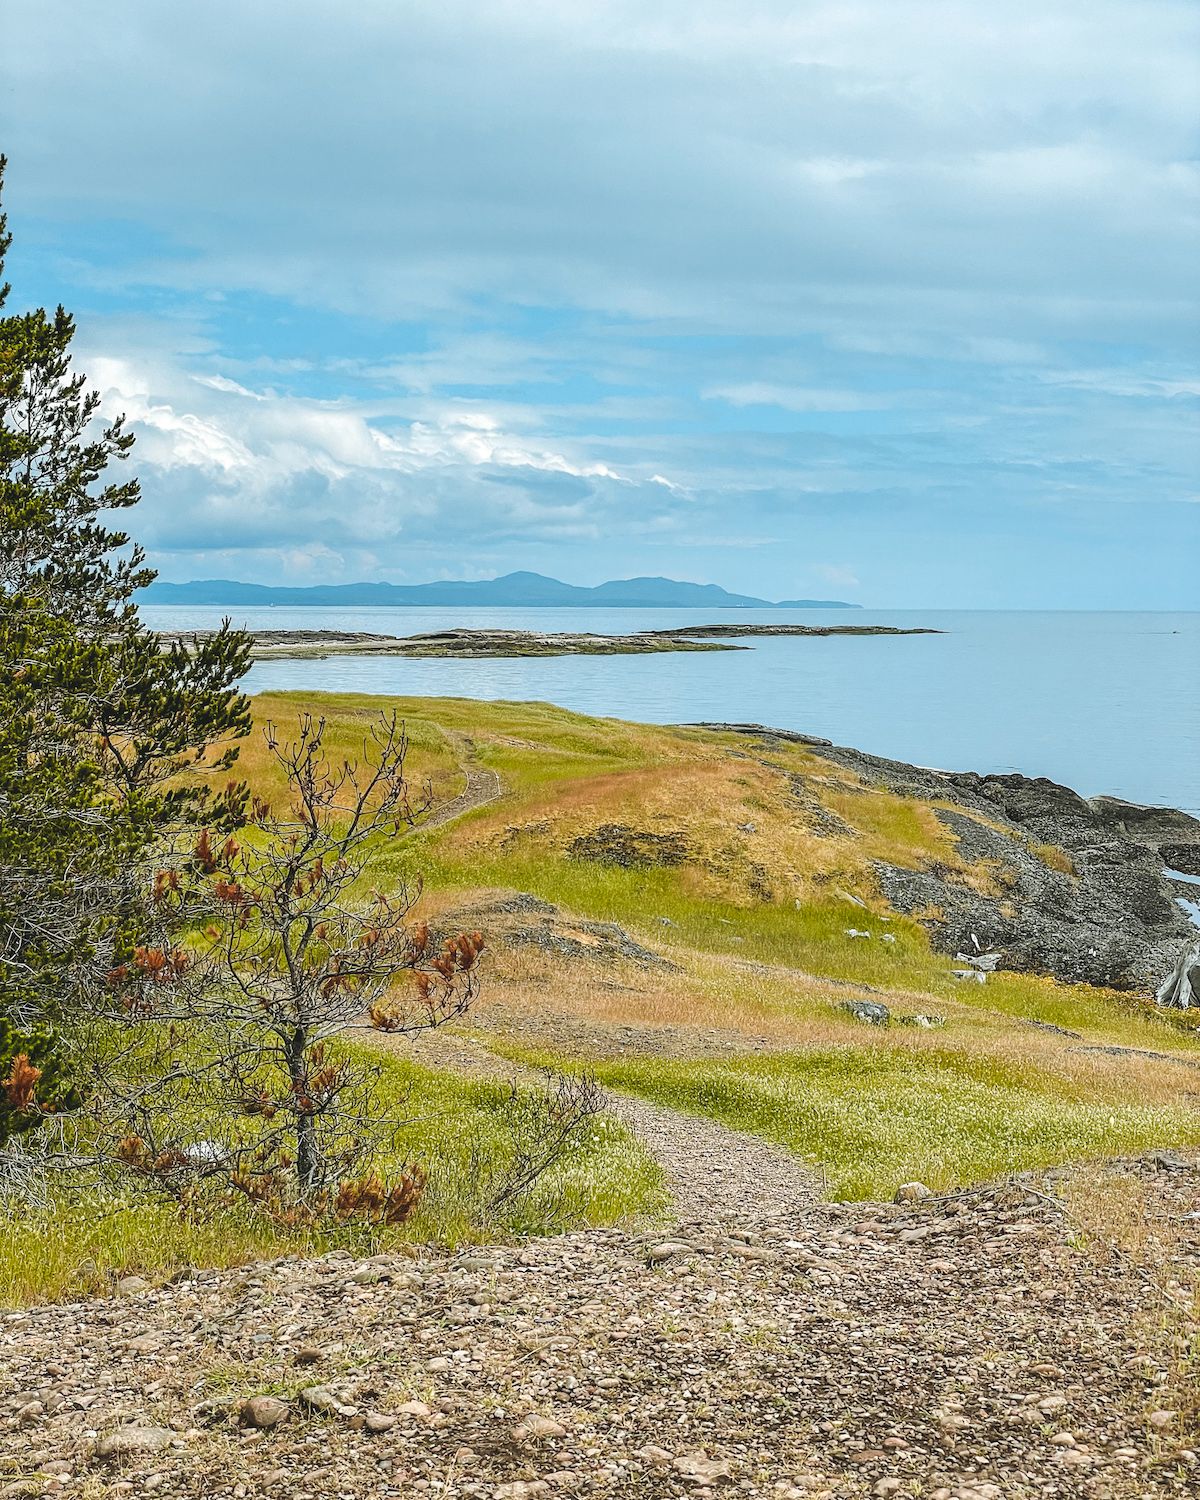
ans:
x=270 y=645
x=1088 y=890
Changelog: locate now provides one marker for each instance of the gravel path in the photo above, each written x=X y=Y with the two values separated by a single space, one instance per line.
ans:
x=716 y=1175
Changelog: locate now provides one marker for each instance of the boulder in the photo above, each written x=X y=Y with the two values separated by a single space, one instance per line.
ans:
x=869 y=1012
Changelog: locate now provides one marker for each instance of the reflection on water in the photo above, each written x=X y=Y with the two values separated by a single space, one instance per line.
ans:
x=1103 y=702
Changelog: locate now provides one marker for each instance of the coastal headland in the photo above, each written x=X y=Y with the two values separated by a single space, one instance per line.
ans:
x=812 y=982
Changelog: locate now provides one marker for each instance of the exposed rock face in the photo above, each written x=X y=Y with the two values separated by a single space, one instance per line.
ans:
x=524 y=920
x=1185 y=857
x=631 y=848
x=1115 y=920
x=868 y=1011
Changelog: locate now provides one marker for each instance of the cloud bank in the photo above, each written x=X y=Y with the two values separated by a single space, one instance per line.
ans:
x=899 y=292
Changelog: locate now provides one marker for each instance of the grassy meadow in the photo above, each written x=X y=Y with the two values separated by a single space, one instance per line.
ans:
x=744 y=1023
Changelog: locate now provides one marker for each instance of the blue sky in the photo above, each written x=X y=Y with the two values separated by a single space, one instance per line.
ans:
x=888 y=300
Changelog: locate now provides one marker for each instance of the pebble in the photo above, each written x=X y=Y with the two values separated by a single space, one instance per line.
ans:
x=666 y=1250
x=415 y=1409
x=264 y=1412
x=699 y=1467
x=132 y=1286
x=132 y=1441
x=318 y=1398
x=535 y=1426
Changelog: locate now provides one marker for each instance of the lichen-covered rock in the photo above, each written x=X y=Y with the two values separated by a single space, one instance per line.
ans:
x=869 y=1012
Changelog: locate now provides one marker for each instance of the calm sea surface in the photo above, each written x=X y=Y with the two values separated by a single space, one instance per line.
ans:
x=1104 y=702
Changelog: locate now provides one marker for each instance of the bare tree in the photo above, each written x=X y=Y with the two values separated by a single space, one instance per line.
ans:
x=223 y=1062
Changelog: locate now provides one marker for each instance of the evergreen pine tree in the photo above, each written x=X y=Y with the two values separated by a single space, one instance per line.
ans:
x=107 y=742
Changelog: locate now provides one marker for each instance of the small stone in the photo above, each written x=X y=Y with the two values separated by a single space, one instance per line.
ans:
x=415 y=1409
x=952 y=1421
x=131 y=1441
x=657 y=1458
x=264 y=1412
x=378 y=1421
x=318 y=1398
x=1161 y=1419
x=535 y=1426
x=1063 y=1439
x=701 y=1469
x=1053 y=1402
x=758 y=1253
x=439 y=1365
x=665 y=1249
x=887 y=1486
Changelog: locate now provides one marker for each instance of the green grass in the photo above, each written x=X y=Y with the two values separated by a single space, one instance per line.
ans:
x=458 y=1129
x=872 y=1120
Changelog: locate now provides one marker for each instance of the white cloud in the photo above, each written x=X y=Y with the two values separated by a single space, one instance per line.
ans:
x=839 y=575
x=796 y=398
x=766 y=167
x=313 y=484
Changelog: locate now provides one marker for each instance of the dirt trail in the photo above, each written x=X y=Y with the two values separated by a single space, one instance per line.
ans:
x=483 y=785
x=716 y=1175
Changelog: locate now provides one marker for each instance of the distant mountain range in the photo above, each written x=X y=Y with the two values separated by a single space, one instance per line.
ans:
x=522 y=590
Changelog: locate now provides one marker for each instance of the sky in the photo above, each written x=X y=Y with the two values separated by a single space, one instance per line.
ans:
x=892 y=301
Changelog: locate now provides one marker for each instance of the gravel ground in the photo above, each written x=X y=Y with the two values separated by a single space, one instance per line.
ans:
x=964 y=1347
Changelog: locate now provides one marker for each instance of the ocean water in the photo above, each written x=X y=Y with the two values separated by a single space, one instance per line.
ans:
x=1105 y=702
